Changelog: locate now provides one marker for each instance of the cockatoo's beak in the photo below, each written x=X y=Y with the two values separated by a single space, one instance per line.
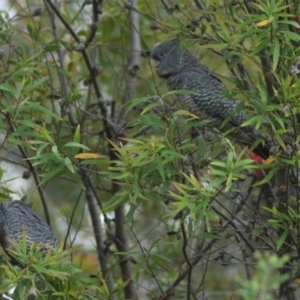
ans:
x=154 y=63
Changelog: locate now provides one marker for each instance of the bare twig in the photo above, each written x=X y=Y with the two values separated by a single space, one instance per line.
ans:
x=121 y=241
x=98 y=230
x=120 y=231
x=94 y=25
x=189 y=275
x=135 y=53
x=146 y=257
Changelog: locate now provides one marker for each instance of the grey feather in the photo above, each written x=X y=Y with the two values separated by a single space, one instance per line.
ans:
x=182 y=71
x=16 y=218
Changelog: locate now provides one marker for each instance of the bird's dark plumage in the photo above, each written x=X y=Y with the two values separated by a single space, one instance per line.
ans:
x=16 y=218
x=182 y=71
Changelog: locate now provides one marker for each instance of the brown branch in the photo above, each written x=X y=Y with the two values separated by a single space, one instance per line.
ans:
x=189 y=273
x=266 y=64
x=71 y=222
x=90 y=195
x=98 y=230
x=121 y=241
x=200 y=5
x=135 y=53
x=94 y=25
x=121 y=234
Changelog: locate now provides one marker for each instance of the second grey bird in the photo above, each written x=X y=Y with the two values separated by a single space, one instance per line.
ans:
x=182 y=71
x=17 y=219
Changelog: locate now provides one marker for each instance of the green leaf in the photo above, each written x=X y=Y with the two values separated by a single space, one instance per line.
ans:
x=69 y=164
x=260 y=46
x=216 y=182
x=149 y=107
x=276 y=54
x=218 y=163
x=55 y=171
x=8 y=88
x=282 y=239
x=292 y=35
x=253 y=121
x=50 y=272
x=27 y=105
x=51 y=46
x=78 y=145
x=41 y=149
x=219 y=172
x=76 y=138
x=33 y=87
x=32 y=31
x=218 y=46
x=78 y=180
x=224 y=33
x=269 y=176
x=19 y=142
x=55 y=152
x=187 y=113
x=135 y=102
x=229 y=182
x=95 y=162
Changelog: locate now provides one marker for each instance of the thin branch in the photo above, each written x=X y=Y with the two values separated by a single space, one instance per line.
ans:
x=82 y=48
x=98 y=230
x=147 y=258
x=34 y=173
x=200 y=4
x=121 y=234
x=135 y=53
x=196 y=258
x=122 y=245
x=189 y=275
x=94 y=25
x=71 y=221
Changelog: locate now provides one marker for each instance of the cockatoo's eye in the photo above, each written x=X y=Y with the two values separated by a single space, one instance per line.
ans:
x=158 y=56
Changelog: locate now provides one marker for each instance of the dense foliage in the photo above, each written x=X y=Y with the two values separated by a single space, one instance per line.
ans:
x=172 y=210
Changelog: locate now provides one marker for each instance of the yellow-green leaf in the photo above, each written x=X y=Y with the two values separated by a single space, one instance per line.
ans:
x=89 y=156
